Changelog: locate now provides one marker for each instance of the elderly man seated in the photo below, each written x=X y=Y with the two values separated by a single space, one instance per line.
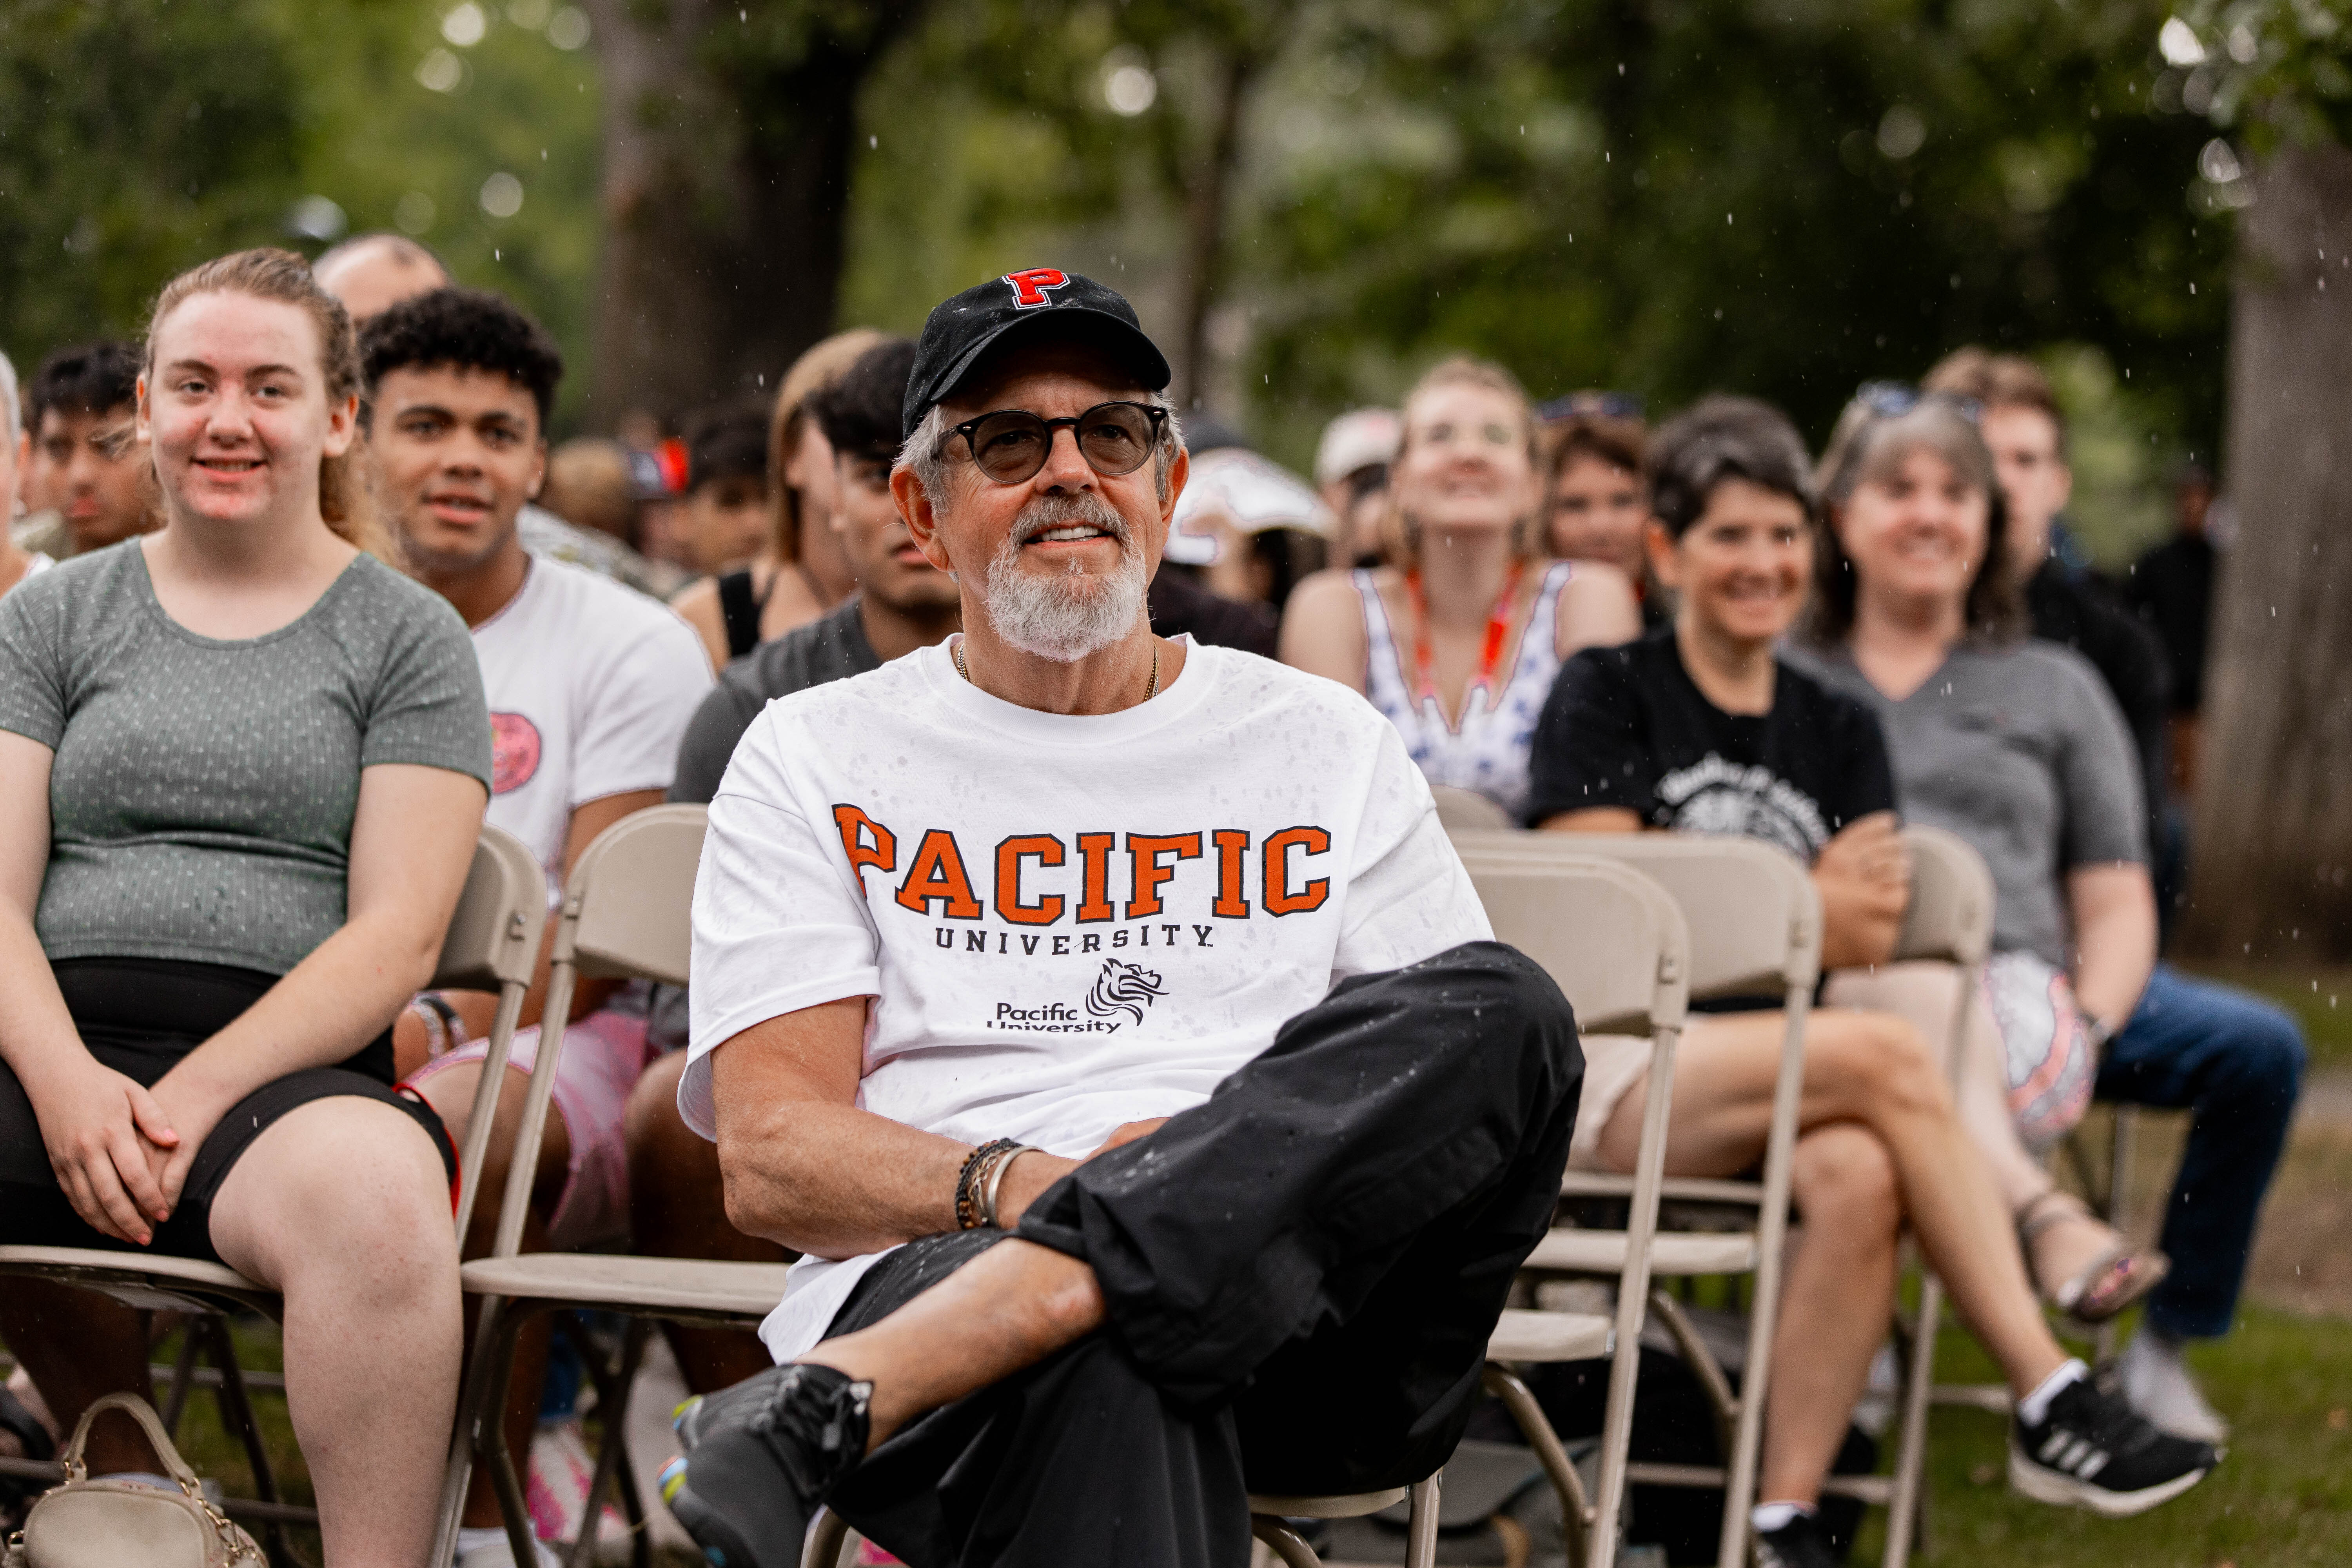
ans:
x=1110 y=1023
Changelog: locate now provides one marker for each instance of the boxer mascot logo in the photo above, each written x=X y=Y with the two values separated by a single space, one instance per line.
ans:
x=1126 y=988
x=1034 y=288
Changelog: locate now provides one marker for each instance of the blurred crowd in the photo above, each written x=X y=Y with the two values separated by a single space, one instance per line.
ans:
x=1596 y=621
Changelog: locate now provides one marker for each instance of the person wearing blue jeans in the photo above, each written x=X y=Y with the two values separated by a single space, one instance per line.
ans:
x=2189 y=1044
x=2237 y=1063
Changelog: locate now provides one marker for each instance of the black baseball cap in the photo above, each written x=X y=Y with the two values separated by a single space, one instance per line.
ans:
x=1034 y=300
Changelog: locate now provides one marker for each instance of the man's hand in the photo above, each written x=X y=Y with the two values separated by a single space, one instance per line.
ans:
x=1863 y=875
x=1128 y=1133
x=1031 y=1173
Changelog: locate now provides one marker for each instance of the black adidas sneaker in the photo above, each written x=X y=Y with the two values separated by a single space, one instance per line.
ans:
x=1799 y=1544
x=2092 y=1450
x=761 y=1458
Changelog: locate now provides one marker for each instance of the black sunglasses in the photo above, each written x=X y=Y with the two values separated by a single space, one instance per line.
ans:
x=1893 y=399
x=1011 y=445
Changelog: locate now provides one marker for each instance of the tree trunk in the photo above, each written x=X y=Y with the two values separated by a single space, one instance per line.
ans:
x=2274 y=828
x=1205 y=208
x=727 y=157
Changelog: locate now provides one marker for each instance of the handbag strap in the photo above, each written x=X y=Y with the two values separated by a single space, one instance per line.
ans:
x=139 y=1410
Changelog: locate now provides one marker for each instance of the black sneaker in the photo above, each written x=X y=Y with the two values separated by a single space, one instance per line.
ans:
x=760 y=1460
x=1799 y=1544
x=2092 y=1450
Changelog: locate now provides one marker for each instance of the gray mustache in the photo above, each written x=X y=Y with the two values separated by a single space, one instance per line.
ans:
x=1059 y=511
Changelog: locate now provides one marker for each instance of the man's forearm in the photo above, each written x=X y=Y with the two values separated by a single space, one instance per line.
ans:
x=833 y=1181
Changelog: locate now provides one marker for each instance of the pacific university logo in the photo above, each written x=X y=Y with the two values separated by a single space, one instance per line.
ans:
x=1034 y=288
x=1123 y=987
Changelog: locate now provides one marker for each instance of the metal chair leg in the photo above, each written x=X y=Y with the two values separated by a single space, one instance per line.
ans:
x=613 y=1410
x=1911 y=1451
x=1576 y=1511
x=183 y=1374
x=236 y=1417
x=490 y=1440
x=829 y=1536
x=475 y=1405
x=1421 y=1527
x=2116 y=1210
x=1286 y=1542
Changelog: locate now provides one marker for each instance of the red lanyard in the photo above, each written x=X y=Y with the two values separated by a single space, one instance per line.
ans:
x=1490 y=656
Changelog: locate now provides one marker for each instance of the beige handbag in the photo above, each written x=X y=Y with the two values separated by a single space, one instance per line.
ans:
x=84 y=1524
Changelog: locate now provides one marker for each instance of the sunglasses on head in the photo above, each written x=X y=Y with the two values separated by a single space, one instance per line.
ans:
x=1011 y=445
x=1893 y=399
x=1590 y=405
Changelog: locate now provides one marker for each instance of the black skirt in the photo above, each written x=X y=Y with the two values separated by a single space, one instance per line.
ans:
x=141 y=1016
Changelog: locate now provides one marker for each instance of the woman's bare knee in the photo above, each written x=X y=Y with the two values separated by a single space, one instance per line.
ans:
x=651 y=1118
x=1844 y=1173
x=1873 y=1064
x=335 y=1182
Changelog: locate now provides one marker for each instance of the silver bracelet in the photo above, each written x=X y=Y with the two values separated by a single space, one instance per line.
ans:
x=995 y=1179
x=442 y=1031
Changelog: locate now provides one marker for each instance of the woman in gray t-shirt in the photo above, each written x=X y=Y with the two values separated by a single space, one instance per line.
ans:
x=2015 y=746
x=243 y=764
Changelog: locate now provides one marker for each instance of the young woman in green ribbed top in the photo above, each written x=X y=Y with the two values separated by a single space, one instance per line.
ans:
x=243 y=762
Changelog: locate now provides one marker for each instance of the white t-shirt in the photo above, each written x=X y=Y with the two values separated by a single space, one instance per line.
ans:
x=591 y=685
x=1067 y=922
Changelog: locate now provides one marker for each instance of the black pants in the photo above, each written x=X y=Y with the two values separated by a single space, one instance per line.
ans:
x=142 y=1017
x=1301 y=1276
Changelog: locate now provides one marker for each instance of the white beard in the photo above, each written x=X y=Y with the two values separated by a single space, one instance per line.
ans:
x=1064 y=617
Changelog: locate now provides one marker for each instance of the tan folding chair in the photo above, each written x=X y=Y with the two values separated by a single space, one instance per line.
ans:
x=1755 y=927
x=1616 y=946
x=1615 y=941
x=625 y=915
x=1949 y=922
x=492 y=944
x=1466 y=811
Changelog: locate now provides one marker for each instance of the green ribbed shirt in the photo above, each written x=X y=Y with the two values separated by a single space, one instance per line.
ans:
x=203 y=793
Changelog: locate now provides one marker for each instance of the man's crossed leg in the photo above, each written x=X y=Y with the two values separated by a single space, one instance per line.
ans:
x=1289 y=1289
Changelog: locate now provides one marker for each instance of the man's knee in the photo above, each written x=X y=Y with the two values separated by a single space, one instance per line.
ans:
x=2265 y=1054
x=1494 y=976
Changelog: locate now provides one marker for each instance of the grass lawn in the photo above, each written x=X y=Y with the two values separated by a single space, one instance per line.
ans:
x=2281 y=1499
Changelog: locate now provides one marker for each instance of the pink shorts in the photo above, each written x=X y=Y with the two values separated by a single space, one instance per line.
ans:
x=603 y=1054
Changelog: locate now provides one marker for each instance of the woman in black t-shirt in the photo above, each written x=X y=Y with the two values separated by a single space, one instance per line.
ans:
x=1700 y=727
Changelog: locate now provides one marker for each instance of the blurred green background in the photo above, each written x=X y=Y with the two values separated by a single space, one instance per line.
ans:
x=1779 y=198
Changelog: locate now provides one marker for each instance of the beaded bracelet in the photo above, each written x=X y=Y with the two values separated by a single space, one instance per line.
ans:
x=967 y=1195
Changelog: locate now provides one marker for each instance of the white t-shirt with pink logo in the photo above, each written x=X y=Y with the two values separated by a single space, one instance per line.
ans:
x=1068 y=922
x=591 y=686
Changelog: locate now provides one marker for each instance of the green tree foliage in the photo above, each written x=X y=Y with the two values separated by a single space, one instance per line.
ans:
x=136 y=136
x=2281 y=68
x=1781 y=199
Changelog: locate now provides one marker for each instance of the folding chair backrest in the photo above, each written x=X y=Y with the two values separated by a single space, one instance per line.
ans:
x=635 y=889
x=1951 y=911
x=492 y=944
x=493 y=939
x=1459 y=809
x=1754 y=917
x=1609 y=938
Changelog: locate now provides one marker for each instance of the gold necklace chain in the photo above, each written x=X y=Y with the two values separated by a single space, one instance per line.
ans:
x=1150 y=689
